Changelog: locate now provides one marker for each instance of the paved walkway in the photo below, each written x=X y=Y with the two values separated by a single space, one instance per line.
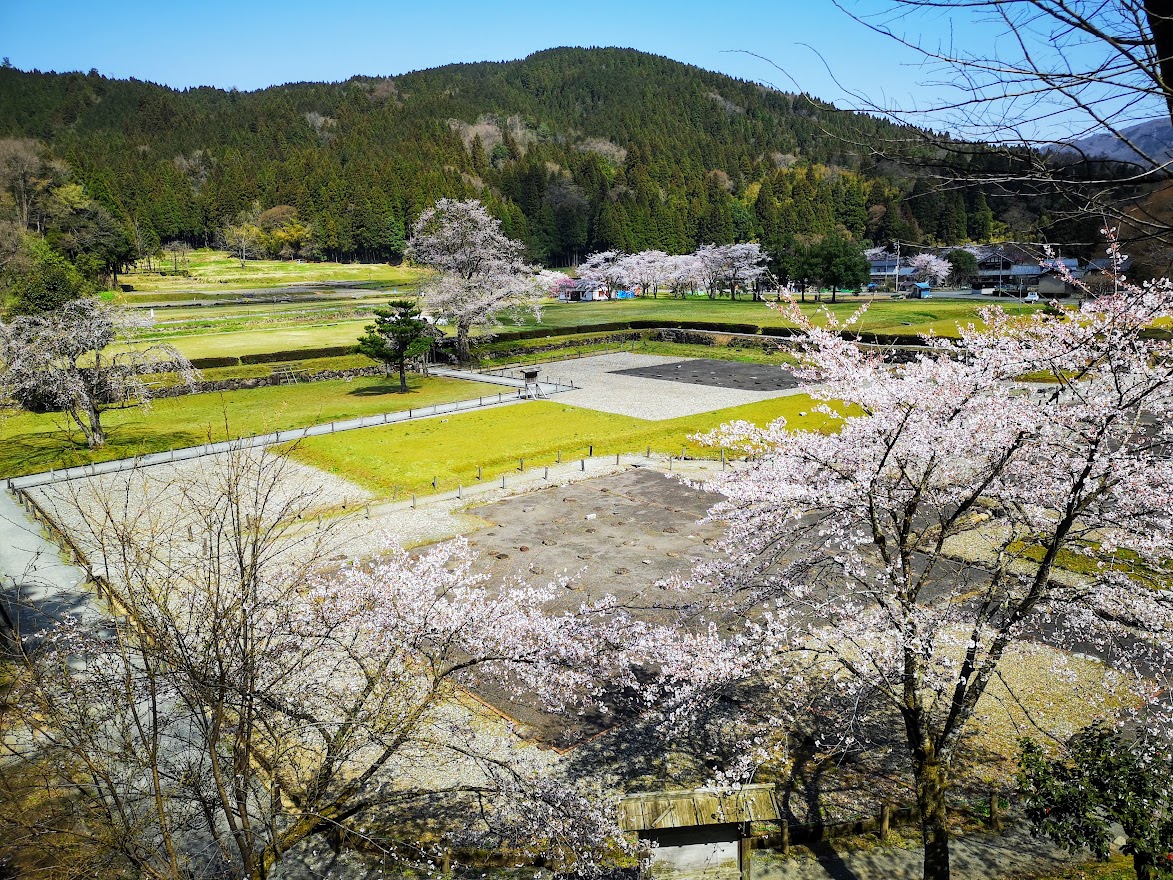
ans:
x=37 y=586
x=1011 y=854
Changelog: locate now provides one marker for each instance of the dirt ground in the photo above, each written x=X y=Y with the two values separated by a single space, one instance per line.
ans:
x=616 y=535
x=619 y=535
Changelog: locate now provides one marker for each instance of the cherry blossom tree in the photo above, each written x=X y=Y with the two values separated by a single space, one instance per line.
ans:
x=729 y=265
x=63 y=360
x=894 y=564
x=260 y=697
x=682 y=274
x=481 y=271
x=745 y=264
x=604 y=268
x=644 y=270
x=930 y=267
x=712 y=267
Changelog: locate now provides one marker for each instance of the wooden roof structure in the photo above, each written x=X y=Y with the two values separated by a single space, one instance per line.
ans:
x=656 y=810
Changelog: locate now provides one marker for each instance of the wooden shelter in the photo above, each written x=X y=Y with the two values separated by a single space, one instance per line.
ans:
x=701 y=824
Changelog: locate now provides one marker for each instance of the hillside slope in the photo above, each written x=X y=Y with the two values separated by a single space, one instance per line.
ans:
x=575 y=149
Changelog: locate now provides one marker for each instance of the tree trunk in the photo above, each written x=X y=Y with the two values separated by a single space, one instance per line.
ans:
x=90 y=422
x=1161 y=27
x=403 y=375
x=932 y=779
x=462 y=351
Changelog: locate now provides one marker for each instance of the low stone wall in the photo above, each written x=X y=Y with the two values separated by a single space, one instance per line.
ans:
x=205 y=386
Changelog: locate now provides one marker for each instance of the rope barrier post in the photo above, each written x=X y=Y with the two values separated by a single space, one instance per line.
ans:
x=413 y=501
x=503 y=481
x=546 y=474
x=559 y=456
x=459 y=491
x=722 y=459
x=478 y=471
x=434 y=483
x=521 y=464
x=591 y=452
x=616 y=458
x=583 y=463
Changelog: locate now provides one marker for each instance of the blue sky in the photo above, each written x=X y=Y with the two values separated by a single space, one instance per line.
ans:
x=254 y=44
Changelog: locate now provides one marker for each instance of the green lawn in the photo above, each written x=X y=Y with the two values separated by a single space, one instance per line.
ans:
x=900 y=316
x=218 y=270
x=241 y=342
x=402 y=459
x=36 y=442
x=884 y=316
x=583 y=344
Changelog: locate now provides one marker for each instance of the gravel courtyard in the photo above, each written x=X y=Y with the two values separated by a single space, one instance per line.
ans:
x=625 y=383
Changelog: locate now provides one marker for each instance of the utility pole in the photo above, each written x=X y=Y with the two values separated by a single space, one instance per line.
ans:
x=896 y=286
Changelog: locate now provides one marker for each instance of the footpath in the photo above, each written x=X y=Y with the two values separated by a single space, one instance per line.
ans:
x=1009 y=854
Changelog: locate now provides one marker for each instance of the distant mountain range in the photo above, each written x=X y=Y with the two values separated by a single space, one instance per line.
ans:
x=1154 y=140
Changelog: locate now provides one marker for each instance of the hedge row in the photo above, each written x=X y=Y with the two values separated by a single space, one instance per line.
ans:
x=274 y=357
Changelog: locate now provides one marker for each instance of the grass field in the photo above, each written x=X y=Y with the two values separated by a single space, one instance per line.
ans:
x=884 y=315
x=218 y=270
x=402 y=459
x=240 y=342
x=256 y=333
x=31 y=442
x=581 y=344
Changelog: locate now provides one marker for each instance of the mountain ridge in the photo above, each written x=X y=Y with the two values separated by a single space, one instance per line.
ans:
x=574 y=149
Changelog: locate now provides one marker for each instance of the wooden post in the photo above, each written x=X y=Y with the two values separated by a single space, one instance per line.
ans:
x=459 y=494
x=592 y=450
x=583 y=463
x=478 y=471
x=616 y=458
x=559 y=456
x=503 y=481
x=885 y=820
x=413 y=501
x=521 y=464
x=745 y=853
x=434 y=483
x=546 y=474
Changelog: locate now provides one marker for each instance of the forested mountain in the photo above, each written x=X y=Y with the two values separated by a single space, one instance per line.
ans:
x=1153 y=139
x=574 y=149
